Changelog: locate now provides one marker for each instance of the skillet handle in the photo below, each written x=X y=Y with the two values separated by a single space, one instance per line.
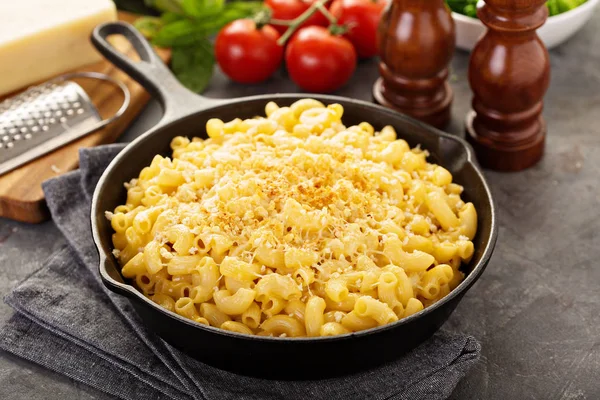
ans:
x=150 y=72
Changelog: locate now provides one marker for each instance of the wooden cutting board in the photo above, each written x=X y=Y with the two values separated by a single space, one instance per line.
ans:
x=21 y=196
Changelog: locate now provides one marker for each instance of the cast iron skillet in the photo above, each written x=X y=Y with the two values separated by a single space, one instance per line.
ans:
x=185 y=114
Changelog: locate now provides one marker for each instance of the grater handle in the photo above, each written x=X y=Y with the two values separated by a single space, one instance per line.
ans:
x=150 y=72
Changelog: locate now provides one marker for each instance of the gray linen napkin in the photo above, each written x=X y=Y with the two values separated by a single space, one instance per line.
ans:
x=68 y=322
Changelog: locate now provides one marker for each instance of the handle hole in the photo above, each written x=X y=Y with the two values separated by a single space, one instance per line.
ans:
x=122 y=45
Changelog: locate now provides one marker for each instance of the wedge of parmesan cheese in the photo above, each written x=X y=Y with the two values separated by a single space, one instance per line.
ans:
x=40 y=39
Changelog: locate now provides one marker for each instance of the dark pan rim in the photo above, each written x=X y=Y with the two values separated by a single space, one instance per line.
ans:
x=130 y=291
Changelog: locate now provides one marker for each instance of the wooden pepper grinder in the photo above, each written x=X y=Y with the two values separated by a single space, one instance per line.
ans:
x=416 y=42
x=509 y=73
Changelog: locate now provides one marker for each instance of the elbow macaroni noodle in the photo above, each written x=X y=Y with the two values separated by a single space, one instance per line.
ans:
x=294 y=225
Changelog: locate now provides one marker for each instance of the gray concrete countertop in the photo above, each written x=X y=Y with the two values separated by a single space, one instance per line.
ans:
x=536 y=307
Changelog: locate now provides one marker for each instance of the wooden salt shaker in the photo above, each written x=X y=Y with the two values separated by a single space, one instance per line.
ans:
x=416 y=41
x=509 y=73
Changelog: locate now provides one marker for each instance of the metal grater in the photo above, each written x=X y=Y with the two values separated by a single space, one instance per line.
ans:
x=48 y=116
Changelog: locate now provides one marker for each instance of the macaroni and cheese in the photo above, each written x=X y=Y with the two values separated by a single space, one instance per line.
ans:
x=294 y=225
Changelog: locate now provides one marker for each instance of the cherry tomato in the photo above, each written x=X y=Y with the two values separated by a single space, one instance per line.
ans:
x=289 y=9
x=319 y=61
x=247 y=54
x=362 y=16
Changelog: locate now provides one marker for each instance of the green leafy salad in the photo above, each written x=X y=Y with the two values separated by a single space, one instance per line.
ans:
x=555 y=7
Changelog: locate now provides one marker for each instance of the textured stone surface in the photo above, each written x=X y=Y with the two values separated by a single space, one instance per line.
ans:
x=535 y=309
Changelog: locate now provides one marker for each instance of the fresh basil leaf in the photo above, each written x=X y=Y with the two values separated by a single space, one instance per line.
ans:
x=215 y=23
x=166 y=5
x=186 y=32
x=553 y=7
x=148 y=26
x=169 y=17
x=202 y=8
x=567 y=5
x=193 y=65
x=470 y=11
x=466 y=7
x=180 y=33
x=249 y=6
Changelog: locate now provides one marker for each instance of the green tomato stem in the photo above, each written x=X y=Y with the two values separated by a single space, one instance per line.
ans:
x=295 y=23
x=326 y=13
x=338 y=30
x=281 y=22
x=261 y=18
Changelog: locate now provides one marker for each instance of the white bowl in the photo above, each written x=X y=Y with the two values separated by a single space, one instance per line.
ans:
x=556 y=30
